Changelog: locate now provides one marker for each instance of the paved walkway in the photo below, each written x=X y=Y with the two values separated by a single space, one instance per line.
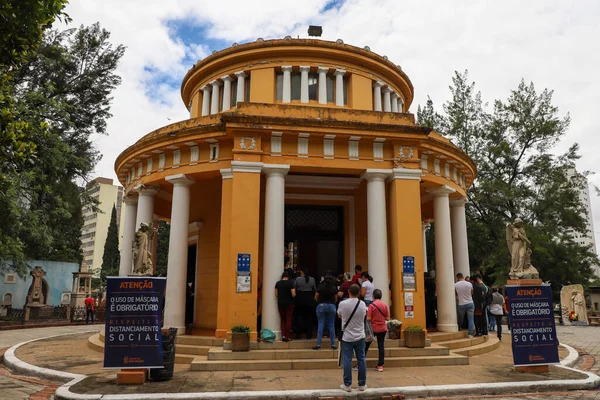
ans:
x=76 y=359
x=18 y=387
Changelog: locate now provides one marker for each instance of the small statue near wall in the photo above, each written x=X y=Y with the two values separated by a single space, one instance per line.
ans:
x=142 y=256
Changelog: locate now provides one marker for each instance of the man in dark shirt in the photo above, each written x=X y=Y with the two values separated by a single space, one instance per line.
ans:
x=285 y=292
x=479 y=291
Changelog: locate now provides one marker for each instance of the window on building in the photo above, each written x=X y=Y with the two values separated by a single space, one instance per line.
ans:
x=313 y=87
x=10 y=278
x=7 y=299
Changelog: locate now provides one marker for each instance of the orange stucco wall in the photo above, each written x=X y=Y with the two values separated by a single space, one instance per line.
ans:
x=207 y=208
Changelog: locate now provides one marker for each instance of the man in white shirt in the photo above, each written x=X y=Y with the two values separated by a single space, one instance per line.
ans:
x=353 y=338
x=464 y=291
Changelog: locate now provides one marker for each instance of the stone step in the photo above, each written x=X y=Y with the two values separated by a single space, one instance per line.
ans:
x=201 y=364
x=184 y=354
x=217 y=354
x=436 y=337
x=491 y=344
x=192 y=349
x=308 y=344
x=199 y=340
x=462 y=343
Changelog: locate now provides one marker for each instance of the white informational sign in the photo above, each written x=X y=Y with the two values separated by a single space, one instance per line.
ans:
x=408 y=305
x=243 y=283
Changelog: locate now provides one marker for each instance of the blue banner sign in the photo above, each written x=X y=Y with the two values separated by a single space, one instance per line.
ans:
x=133 y=312
x=533 y=332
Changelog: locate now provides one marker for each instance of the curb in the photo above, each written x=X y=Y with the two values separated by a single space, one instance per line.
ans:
x=64 y=393
x=15 y=364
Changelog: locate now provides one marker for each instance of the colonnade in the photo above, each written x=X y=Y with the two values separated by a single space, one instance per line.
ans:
x=451 y=248
x=211 y=93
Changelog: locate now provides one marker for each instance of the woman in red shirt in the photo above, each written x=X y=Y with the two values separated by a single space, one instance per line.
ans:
x=378 y=314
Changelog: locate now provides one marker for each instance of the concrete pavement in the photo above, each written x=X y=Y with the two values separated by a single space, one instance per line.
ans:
x=76 y=360
x=19 y=387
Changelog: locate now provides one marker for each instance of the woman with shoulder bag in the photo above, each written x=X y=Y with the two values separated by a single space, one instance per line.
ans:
x=377 y=315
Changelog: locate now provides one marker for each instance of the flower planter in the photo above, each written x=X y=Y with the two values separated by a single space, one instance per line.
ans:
x=414 y=339
x=240 y=341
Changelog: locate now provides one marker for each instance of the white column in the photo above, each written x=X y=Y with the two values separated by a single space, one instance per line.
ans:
x=460 y=244
x=394 y=103
x=377 y=95
x=241 y=87
x=145 y=207
x=304 y=70
x=287 y=84
x=387 y=100
x=377 y=247
x=226 y=92
x=425 y=226
x=214 y=100
x=339 y=87
x=178 y=252
x=205 y=100
x=274 y=230
x=400 y=105
x=322 y=84
x=126 y=262
x=444 y=270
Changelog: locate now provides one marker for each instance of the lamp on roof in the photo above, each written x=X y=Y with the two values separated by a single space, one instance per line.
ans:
x=315 y=30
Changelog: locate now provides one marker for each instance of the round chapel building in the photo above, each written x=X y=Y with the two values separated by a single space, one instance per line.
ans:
x=300 y=151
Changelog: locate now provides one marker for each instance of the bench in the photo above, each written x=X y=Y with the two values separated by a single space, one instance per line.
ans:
x=593 y=320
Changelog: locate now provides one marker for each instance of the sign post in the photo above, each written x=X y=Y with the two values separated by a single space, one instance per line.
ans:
x=133 y=339
x=534 y=341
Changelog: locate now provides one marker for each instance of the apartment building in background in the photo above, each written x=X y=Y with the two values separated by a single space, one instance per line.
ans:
x=96 y=221
x=588 y=238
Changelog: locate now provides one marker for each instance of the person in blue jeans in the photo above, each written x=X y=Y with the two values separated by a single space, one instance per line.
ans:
x=353 y=312
x=326 y=296
x=464 y=291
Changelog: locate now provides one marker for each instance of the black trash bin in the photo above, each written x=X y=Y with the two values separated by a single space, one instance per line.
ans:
x=168 y=355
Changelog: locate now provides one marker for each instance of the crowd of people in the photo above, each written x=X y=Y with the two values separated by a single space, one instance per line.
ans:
x=480 y=308
x=342 y=305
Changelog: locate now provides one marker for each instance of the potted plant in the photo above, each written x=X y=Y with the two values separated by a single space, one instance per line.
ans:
x=240 y=338
x=414 y=336
x=394 y=327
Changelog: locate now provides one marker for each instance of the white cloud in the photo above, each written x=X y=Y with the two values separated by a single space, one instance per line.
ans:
x=553 y=44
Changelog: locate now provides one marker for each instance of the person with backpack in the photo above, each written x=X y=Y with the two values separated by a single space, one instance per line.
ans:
x=90 y=308
x=326 y=298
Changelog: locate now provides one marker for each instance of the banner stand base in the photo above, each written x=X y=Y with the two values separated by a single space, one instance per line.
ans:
x=132 y=376
x=533 y=369
x=529 y=369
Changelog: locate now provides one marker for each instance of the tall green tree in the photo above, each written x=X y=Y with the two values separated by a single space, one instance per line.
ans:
x=111 y=256
x=162 y=248
x=63 y=92
x=519 y=176
x=22 y=24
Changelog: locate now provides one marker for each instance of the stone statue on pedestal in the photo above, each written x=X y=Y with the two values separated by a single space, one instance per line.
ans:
x=36 y=291
x=517 y=245
x=142 y=256
x=578 y=305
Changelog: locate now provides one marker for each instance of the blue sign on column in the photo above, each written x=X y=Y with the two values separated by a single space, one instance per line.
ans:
x=534 y=340
x=408 y=273
x=133 y=312
x=243 y=273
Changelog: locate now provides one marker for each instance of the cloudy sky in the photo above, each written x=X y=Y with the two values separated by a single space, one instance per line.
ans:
x=554 y=44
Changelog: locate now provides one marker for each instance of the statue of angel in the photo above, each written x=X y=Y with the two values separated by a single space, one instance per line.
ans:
x=517 y=245
x=142 y=255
